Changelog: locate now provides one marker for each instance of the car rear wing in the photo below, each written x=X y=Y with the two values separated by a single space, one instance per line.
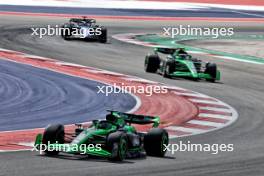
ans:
x=78 y=20
x=137 y=119
x=165 y=50
x=170 y=50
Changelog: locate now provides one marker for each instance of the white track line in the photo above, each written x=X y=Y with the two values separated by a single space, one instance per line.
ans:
x=191 y=95
x=184 y=129
x=104 y=72
x=27 y=144
x=206 y=123
x=69 y=64
x=19 y=150
x=171 y=136
x=206 y=101
x=215 y=116
x=175 y=88
x=216 y=109
x=37 y=57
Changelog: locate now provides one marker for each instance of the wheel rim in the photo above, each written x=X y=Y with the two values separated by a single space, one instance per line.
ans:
x=122 y=148
x=146 y=64
x=164 y=140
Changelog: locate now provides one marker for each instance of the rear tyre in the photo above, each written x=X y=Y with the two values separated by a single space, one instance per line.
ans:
x=53 y=134
x=154 y=142
x=103 y=36
x=152 y=63
x=117 y=144
x=211 y=69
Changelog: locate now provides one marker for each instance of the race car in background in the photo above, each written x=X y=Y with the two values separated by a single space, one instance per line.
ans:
x=115 y=135
x=83 y=28
x=176 y=62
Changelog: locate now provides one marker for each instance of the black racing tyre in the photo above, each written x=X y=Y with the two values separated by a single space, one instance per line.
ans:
x=117 y=145
x=211 y=69
x=152 y=63
x=168 y=69
x=53 y=134
x=103 y=36
x=154 y=142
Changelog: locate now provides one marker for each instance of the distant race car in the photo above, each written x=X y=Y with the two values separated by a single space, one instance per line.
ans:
x=115 y=136
x=176 y=62
x=83 y=28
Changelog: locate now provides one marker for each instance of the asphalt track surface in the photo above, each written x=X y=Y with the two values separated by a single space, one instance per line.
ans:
x=242 y=87
x=41 y=97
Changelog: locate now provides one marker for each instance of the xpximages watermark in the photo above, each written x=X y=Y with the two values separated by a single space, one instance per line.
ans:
x=82 y=148
x=61 y=31
x=149 y=90
x=190 y=147
x=188 y=30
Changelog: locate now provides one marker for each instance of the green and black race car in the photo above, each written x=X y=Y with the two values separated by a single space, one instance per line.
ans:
x=113 y=138
x=176 y=62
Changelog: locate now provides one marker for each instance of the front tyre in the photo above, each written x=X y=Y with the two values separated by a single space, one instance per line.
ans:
x=152 y=63
x=167 y=70
x=211 y=69
x=103 y=36
x=53 y=134
x=117 y=144
x=155 y=141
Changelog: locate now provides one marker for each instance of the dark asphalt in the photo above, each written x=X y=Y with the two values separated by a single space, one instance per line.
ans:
x=242 y=87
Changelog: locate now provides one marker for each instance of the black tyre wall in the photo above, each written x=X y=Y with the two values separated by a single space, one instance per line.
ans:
x=153 y=142
x=53 y=134
x=152 y=63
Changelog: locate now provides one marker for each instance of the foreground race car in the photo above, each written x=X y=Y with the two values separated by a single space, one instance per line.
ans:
x=83 y=28
x=113 y=138
x=171 y=62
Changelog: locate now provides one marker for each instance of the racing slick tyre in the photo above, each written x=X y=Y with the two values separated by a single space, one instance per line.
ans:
x=168 y=69
x=103 y=36
x=53 y=134
x=152 y=63
x=211 y=69
x=117 y=145
x=154 y=142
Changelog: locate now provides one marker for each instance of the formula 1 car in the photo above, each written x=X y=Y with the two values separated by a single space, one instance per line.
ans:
x=114 y=138
x=176 y=62
x=83 y=28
